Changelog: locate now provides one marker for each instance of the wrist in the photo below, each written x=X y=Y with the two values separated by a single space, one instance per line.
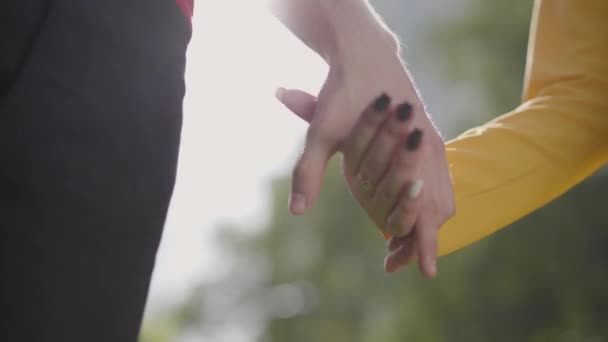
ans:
x=355 y=31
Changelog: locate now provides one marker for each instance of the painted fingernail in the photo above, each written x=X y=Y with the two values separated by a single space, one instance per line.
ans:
x=404 y=111
x=382 y=102
x=415 y=189
x=279 y=93
x=413 y=140
x=431 y=267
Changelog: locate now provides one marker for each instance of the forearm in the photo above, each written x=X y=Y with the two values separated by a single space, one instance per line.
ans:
x=508 y=168
x=335 y=29
x=519 y=162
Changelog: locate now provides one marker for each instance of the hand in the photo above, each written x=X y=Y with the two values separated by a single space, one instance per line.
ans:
x=386 y=163
x=333 y=113
x=398 y=172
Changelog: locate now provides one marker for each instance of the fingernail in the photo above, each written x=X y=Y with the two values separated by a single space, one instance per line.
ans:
x=404 y=111
x=413 y=140
x=279 y=93
x=432 y=268
x=388 y=259
x=297 y=203
x=415 y=189
x=386 y=264
x=382 y=102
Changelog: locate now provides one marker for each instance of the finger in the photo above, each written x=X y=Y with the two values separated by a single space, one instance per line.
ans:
x=309 y=171
x=362 y=189
x=394 y=242
x=401 y=220
x=401 y=256
x=364 y=131
x=426 y=241
x=396 y=194
x=299 y=102
x=377 y=157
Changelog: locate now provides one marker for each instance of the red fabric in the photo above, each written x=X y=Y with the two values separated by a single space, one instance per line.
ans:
x=187 y=7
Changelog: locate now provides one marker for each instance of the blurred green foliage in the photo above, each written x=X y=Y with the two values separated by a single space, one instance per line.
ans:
x=320 y=278
x=487 y=47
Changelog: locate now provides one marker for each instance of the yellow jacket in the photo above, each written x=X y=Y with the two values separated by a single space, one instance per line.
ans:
x=556 y=138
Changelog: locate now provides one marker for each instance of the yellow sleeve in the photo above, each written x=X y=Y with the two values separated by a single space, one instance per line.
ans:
x=520 y=161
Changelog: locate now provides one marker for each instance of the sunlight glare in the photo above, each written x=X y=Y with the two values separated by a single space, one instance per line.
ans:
x=236 y=136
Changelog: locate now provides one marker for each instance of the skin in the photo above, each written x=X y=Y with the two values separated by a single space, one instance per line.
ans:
x=358 y=48
x=376 y=152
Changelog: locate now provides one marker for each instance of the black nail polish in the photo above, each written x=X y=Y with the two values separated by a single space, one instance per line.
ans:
x=413 y=140
x=382 y=102
x=404 y=111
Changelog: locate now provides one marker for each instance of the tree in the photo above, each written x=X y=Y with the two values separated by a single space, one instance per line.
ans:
x=319 y=278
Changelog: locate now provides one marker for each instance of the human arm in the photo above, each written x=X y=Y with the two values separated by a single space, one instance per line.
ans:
x=335 y=29
x=511 y=166
x=517 y=163
x=364 y=61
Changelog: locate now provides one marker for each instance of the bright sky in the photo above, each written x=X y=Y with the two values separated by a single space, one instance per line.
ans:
x=236 y=136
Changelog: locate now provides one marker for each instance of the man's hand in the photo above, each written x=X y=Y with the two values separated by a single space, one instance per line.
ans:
x=363 y=58
x=358 y=48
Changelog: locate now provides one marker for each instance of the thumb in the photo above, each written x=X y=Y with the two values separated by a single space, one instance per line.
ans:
x=309 y=171
x=299 y=102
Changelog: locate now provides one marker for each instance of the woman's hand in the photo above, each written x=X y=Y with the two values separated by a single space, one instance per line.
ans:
x=394 y=163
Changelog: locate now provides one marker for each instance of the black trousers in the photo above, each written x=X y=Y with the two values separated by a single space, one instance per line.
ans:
x=90 y=118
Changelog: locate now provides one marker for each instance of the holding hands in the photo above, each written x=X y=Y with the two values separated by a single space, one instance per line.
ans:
x=368 y=108
x=394 y=163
